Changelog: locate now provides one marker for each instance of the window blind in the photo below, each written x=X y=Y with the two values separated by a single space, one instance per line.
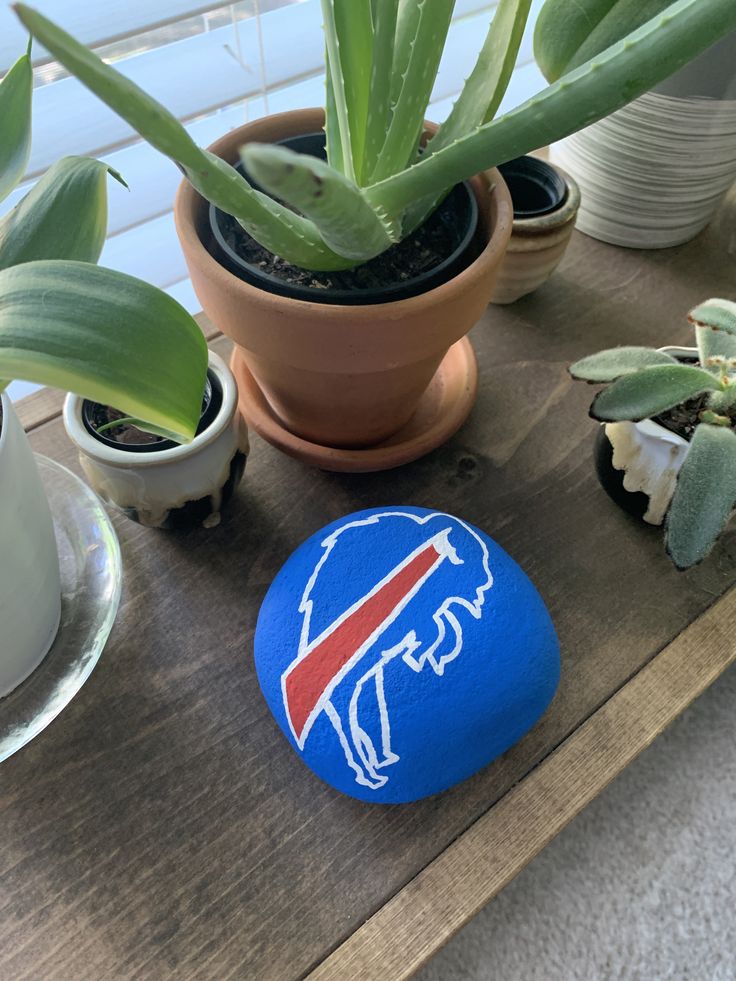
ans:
x=214 y=66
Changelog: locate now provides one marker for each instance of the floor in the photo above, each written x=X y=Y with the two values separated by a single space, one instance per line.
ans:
x=640 y=887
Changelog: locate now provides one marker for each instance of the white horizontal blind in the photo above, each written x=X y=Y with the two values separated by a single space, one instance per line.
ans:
x=213 y=65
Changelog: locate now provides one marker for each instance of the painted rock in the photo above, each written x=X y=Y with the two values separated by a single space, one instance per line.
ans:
x=401 y=650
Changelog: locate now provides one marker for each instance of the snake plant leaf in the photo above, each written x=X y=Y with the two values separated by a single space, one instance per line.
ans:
x=149 y=361
x=570 y=32
x=407 y=118
x=16 y=89
x=607 y=366
x=63 y=216
x=349 y=36
x=705 y=495
x=651 y=391
x=297 y=241
x=615 y=77
x=385 y=14
x=335 y=204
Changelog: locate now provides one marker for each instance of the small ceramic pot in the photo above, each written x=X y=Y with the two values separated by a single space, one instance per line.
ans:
x=30 y=587
x=177 y=487
x=638 y=462
x=546 y=202
x=338 y=375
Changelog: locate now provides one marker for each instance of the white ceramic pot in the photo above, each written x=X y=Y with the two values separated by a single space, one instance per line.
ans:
x=171 y=488
x=30 y=588
x=653 y=174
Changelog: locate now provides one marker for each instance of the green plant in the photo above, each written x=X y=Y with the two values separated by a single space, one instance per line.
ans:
x=642 y=383
x=382 y=58
x=69 y=323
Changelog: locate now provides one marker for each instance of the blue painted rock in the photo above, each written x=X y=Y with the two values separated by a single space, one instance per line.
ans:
x=401 y=650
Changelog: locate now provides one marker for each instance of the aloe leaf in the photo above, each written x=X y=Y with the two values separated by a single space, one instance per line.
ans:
x=294 y=239
x=607 y=366
x=588 y=93
x=107 y=337
x=651 y=391
x=570 y=32
x=379 y=108
x=333 y=143
x=348 y=28
x=407 y=118
x=704 y=496
x=63 y=216
x=335 y=204
x=16 y=89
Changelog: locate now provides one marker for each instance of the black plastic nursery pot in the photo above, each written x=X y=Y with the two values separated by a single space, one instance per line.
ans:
x=449 y=238
x=133 y=440
x=536 y=187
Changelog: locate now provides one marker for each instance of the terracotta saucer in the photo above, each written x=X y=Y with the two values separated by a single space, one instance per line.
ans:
x=443 y=408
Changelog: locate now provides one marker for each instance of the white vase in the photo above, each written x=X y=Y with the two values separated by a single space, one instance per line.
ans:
x=653 y=174
x=30 y=588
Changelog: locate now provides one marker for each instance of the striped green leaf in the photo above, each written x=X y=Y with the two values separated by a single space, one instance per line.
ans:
x=64 y=215
x=107 y=337
x=16 y=89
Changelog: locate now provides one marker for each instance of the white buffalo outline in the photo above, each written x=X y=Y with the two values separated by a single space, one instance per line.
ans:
x=359 y=748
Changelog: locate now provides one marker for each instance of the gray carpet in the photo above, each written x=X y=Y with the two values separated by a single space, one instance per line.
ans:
x=640 y=887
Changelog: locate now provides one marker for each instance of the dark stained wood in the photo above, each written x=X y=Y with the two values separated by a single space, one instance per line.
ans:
x=161 y=827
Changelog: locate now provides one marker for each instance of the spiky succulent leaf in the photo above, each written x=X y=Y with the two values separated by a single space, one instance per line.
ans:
x=615 y=77
x=705 y=495
x=333 y=140
x=651 y=391
x=106 y=336
x=63 y=216
x=607 y=366
x=407 y=117
x=297 y=241
x=570 y=32
x=348 y=28
x=335 y=204
x=379 y=108
x=16 y=89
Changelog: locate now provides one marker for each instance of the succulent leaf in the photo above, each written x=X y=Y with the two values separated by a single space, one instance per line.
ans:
x=716 y=314
x=297 y=241
x=705 y=495
x=650 y=391
x=570 y=32
x=615 y=77
x=52 y=315
x=335 y=204
x=16 y=89
x=607 y=366
x=63 y=216
x=385 y=13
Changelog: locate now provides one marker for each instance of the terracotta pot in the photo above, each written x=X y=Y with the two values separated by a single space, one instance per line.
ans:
x=339 y=375
x=538 y=241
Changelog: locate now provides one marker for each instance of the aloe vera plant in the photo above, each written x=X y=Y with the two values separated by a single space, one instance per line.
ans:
x=69 y=323
x=642 y=383
x=382 y=57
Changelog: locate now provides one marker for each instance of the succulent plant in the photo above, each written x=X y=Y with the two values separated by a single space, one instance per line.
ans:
x=642 y=383
x=69 y=323
x=378 y=185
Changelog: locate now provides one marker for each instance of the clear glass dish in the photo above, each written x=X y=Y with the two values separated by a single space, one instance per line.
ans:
x=91 y=579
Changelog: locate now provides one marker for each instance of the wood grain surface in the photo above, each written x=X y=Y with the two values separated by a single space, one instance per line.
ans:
x=161 y=827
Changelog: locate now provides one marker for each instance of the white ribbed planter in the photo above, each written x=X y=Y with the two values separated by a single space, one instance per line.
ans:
x=30 y=588
x=653 y=174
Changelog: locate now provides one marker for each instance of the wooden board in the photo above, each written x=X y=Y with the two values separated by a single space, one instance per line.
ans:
x=162 y=827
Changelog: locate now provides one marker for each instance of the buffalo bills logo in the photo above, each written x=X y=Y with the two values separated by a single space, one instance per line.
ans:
x=403 y=584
